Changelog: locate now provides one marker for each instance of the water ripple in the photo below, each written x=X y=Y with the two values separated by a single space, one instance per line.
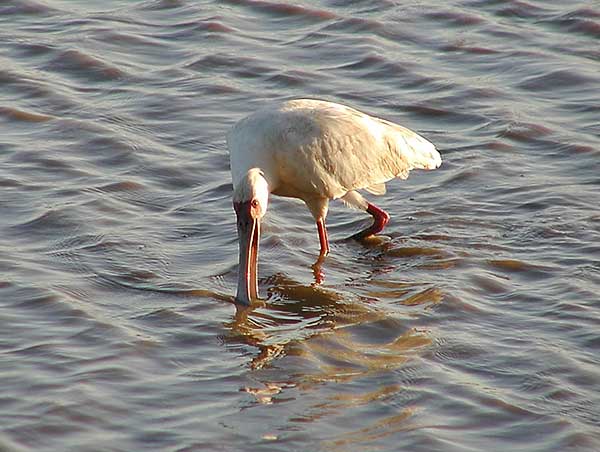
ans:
x=470 y=324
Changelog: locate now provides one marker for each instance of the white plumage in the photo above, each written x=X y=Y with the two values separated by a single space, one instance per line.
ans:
x=316 y=151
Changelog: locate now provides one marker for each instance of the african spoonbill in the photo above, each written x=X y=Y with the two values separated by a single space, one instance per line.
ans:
x=315 y=151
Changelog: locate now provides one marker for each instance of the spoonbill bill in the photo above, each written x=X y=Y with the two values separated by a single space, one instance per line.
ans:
x=315 y=151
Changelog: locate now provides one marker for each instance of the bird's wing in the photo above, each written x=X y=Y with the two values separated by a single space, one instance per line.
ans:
x=334 y=149
x=376 y=189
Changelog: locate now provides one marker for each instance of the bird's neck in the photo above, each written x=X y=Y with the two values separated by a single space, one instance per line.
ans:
x=252 y=165
x=258 y=179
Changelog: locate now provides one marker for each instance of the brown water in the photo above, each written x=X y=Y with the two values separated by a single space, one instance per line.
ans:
x=475 y=325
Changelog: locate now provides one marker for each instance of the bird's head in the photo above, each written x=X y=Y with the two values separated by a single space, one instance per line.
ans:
x=250 y=200
x=251 y=194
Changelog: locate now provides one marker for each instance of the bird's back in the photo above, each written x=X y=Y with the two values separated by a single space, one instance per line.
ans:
x=309 y=147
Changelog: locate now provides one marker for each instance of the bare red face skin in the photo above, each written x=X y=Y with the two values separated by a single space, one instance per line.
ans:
x=248 y=226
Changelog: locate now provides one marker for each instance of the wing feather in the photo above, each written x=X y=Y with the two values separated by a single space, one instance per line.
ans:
x=376 y=189
x=342 y=149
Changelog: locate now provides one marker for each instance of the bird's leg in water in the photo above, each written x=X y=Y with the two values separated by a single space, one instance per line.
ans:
x=323 y=237
x=317 y=271
x=380 y=219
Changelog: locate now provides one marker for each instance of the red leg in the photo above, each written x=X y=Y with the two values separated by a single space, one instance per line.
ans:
x=323 y=237
x=380 y=219
x=319 y=276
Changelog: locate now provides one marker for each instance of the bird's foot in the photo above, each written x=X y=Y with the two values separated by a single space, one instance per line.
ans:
x=317 y=268
x=380 y=219
x=370 y=240
x=362 y=235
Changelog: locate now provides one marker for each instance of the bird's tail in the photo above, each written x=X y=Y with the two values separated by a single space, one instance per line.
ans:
x=413 y=151
x=418 y=152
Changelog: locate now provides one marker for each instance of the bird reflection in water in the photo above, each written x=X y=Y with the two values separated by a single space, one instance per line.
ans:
x=308 y=336
x=321 y=347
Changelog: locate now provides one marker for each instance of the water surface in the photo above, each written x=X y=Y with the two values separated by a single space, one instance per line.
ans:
x=472 y=325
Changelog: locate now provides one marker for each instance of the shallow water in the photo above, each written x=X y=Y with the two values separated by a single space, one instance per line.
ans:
x=473 y=324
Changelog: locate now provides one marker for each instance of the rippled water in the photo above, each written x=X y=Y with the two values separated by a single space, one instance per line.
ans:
x=473 y=325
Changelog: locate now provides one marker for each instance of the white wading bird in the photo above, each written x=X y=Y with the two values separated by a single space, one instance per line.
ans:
x=315 y=151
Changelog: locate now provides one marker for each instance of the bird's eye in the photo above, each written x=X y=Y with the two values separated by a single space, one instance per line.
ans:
x=254 y=203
